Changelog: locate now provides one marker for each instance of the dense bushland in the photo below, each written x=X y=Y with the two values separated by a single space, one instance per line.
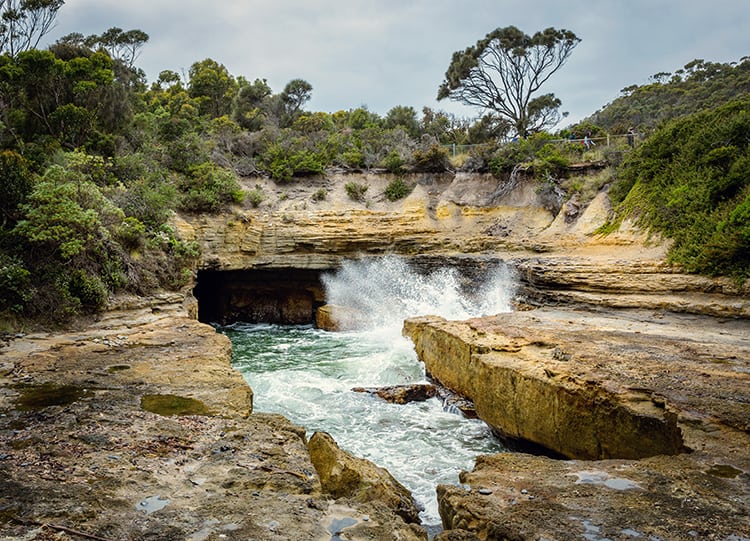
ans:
x=691 y=182
x=95 y=162
x=697 y=86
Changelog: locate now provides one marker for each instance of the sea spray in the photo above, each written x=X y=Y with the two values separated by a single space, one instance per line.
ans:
x=388 y=290
x=307 y=374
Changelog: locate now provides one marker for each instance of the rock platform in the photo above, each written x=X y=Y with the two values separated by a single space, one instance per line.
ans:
x=136 y=427
x=649 y=410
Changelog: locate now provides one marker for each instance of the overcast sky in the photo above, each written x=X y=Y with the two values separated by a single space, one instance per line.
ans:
x=383 y=53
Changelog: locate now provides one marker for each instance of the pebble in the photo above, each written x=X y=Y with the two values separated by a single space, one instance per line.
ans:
x=485 y=491
x=524 y=491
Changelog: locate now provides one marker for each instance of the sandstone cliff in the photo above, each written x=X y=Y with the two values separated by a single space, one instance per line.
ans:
x=137 y=427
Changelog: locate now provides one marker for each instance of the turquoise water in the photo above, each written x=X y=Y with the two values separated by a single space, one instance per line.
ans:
x=308 y=374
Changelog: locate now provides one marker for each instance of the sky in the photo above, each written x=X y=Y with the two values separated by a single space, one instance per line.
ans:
x=384 y=53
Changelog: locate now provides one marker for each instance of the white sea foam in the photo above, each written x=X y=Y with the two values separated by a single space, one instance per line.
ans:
x=307 y=374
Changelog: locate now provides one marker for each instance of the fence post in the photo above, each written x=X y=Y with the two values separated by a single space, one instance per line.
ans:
x=607 y=138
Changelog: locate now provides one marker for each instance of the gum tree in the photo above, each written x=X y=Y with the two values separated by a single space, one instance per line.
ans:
x=23 y=23
x=503 y=73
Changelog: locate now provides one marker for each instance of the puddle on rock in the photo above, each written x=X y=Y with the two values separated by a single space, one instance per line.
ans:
x=724 y=470
x=152 y=504
x=36 y=397
x=602 y=478
x=170 y=405
x=338 y=526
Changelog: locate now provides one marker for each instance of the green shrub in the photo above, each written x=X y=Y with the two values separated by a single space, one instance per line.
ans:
x=353 y=158
x=397 y=189
x=67 y=215
x=283 y=164
x=89 y=289
x=151 y=200
x=131 y=233
x=505 y=158
x=394 y=163
x=15 y=284
x=16 y=183
x=94 y=168
x=434 y=159
x=320 y=195
x=691 y=181
x=255 y=197
x=356 y=191
x=209 y=188
x=550 y=160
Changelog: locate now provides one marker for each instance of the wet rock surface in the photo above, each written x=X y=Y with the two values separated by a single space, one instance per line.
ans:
x=401 y=394
x=513 y=496
x=138 y=428
x=671 y=390
x=345 y=476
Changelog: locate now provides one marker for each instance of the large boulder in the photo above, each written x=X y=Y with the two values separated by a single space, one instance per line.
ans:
x=345 y=476
x=331 y=317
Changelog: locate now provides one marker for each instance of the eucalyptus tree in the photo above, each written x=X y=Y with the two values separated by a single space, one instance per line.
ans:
x=251 y=104
x=504 y=71
x=296 y=93
x=122 y=45
x=23 y=23
x=214 y=87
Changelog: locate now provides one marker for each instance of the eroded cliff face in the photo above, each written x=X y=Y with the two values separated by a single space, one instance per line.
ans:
x=292 y=238
x=445 y=214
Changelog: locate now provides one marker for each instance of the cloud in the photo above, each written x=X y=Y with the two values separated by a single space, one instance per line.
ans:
x=391 y=52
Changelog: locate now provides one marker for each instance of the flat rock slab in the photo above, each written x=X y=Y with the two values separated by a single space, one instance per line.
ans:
x=125 y=432
x=593 y=384
x=610 y=390
x=514 y=496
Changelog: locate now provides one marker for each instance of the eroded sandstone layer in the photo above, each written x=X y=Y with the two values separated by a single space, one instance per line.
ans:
x=136 y=427
x=672 y=390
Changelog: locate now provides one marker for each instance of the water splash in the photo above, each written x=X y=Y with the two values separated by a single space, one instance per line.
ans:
x=307 y=374
x=388 y=290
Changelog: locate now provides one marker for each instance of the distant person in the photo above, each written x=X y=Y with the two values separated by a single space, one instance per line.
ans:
x=631 y=136
x=587 y=142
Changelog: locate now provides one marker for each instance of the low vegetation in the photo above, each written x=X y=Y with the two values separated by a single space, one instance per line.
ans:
x=691 y=182
x=95 y=163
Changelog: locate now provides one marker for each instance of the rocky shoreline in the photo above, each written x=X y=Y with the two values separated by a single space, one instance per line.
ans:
x=135 y=426
x=649 y=411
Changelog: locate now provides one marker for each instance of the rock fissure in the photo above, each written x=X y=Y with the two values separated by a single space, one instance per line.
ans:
x=621 y=359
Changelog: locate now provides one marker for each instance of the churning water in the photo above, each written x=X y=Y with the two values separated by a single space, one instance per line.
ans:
x=308 y=374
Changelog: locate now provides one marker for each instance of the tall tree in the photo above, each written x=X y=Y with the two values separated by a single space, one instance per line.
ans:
x=405 y=117
x=296 y=93
x=250 y=108
x=23 y=23
x=504 y=71
x=124 y=46
x=212 y=84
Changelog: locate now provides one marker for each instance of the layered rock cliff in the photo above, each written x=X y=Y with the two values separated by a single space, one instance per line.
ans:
x=272 y=256
x=136 y=426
